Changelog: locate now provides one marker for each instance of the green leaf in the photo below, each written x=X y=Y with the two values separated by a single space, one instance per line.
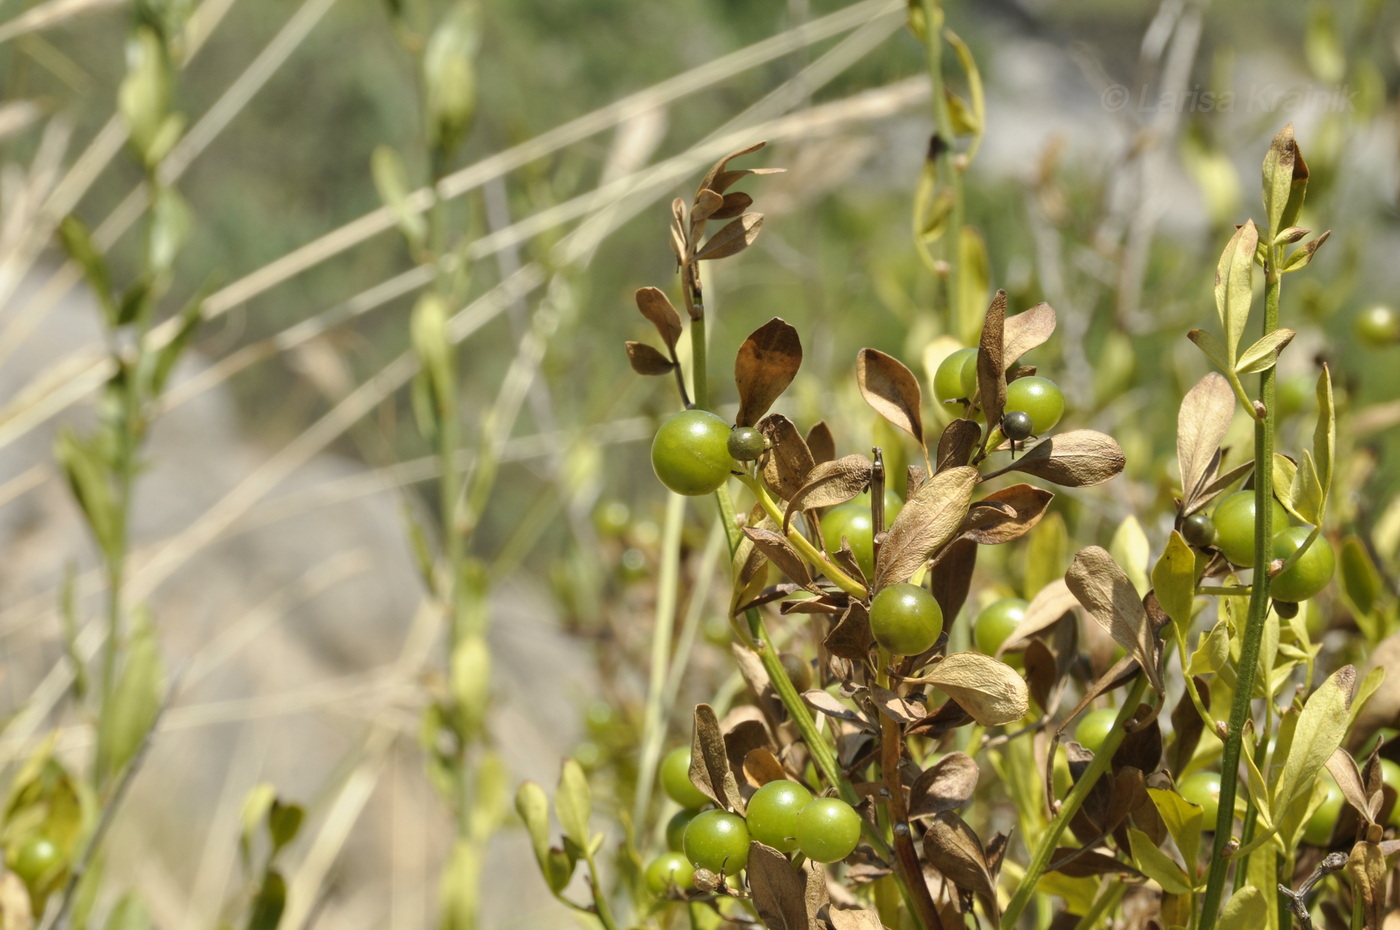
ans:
x=1234 y=283
x=532 y=804
x=1174 y=580
x=1244 y=911
x=490 y=800
x=574 y=803
x=1185 y=822
x=1325 y=437
x=143 y=98
x=428 y=334
x=471 y=683
x=1212 y=652
x=449 y=77
x=460 y=888
x=1285 y=181
x=1131 y=550
x=974 y=275
x=255 y=807
x=1263 y=355
x=1321 y=727
x=77 y=242
x=130 y=711
x=1151 y=861
x=391 y=181
x=170 y=227
x=163 y=360
x=270 y=902
x=1361 y=580
x=129 y=914
x=283 y=823
x=87 y=477
x=1302 y=256
x=1213 y=348
x=1322 y=48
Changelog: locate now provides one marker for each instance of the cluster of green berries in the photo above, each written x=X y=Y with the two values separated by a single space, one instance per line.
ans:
x=1231 y=530
x=781 y=814
x=1033 y=404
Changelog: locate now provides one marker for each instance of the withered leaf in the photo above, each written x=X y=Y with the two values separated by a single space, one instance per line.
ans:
x=891 y=389
x=1141 y=748
x=756 y=677
x=680 y=240
x=789 y=460
x=831 y=483
x=1110 y=598
x=779 y=892
x=1026 y=330
x=1045 y=609
x=1027 y=504
x=712 y=179
x=957 y=443
x=989 y=690
x=706 y=203
x=761 y=767
x=764 y=367
x=947 y=784
x=824 y=703
x=733 y=237
x=1187 y=727
x=851 y=637
x=843 y=919
x=657 y=308
x=1201 y=425
x=952 y=575
x=1368 y=873
x=734 y=204
x=648 y=360
x=744 y=732
x=991 y=365
x=928 y=520
x=780 y=552
x=898 y=709
x=709 y=762
x=1348 y=778
x=985 y=513
x=821 y=443
x=1081 y=862
x=954 y=849
x=1076 y=459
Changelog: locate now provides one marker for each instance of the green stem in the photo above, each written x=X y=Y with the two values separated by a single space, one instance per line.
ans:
x=946 y=165
x=804 y=547
x=1050 y=840
x=1258 y=609
x=600 y=900
x=699 y=383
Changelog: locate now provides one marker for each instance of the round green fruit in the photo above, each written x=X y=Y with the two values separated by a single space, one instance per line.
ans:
x=853 y=521
x=772 y=814
x=675 y=779
x=746 y=443
x=828 y=830
x=690 y=453
x=1039 y=397
x=905 y=619
x=1234 y=526
x=1093 y=728
x=36 y=863
x=1309 y=574
x=1378 y=326
x=668 y=870
x=675 y=828
x=1203 y=790
x=717 y=840
x=799 y=671
x=996 y=622
x=1323 y=820
x=956 y=377
x=1198 y=530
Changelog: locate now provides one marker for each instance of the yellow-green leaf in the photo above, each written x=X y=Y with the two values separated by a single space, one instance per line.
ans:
x=574 y=803
x=1174 y=580
x=1151 y=861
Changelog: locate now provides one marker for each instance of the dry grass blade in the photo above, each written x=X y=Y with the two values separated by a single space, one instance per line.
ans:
x=930 y=519
x=765 y=365
x=1201 y=425
x=892 y=390
x=1107 y=593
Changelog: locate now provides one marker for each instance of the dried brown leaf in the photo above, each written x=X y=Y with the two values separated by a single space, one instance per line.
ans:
x=709 y=762
x=821 y=443
x=1348 y=778
x=761 y=767
x=1205 y=416
x=776 y=547
x=658 y=309
x=991 y=364
x=733 y=237
x=844 y=919
x=779 y=891
x=954 y=849
x=744 y=732
x=891 y=388
x=956 y=444
x=680 y=240
x=1045 y=610
x=764 y=367
x=1368 y=873
x=1027 y=505
x=946 y=785
x=1110 y=598
x=900 y=710
x=929 y=519
x=1141 y=748
x=851 y=637
x=734 y=204
x=989 y=690
x=831 y=483
x=1026 y=330
x=712 y=177
x=824 y=703
x=706 y=203
x=648 y=360
x=789 y=460
x=1187 y=727
x=952 y=575
x=1076 y=459
x=1081 y=862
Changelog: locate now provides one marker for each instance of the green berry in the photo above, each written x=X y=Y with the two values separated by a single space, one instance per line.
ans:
x=1093 y=728
x=1323 y=820
x=1198 y=530
x=828 y=830
x=772 y=814
x=1203 y=790
x=717 y=840
x=690 y=453
x=956 y=377
x=1234 y=526
x=1309 y=574
x=675 y=828
x=1378 y=326
x=1038 y=397
x=675 y=779
x=996 y=622
x=746 y=443
x=669 y=870
x=905 y=619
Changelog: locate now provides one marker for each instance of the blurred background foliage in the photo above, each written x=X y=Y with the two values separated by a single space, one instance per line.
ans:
x=1068 y=195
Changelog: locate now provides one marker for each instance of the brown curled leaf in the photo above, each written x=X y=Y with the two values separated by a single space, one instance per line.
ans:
x=928 y=520
x=657 y=308
x=765 y=365
x=831 y=483
x=647 y=359
x=891 y=389
x=1077 y=459
x=1027 y=330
